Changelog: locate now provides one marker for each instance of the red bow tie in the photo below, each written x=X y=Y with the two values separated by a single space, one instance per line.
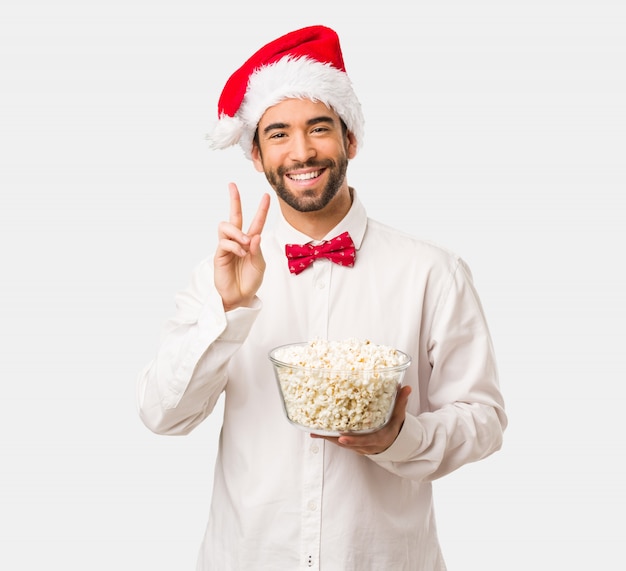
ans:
x=340 y=250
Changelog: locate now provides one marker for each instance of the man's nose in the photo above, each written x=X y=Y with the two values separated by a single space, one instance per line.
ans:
x=302 y=148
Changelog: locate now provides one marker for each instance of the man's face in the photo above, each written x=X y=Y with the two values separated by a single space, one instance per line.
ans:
x=303 y=151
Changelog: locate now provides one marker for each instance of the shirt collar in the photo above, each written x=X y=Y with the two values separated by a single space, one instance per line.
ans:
x=354 y=222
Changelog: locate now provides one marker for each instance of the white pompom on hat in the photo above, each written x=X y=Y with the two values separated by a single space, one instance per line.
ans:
x=304 y=64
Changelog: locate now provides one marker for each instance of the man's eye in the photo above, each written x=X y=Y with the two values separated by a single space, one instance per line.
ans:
x=277 y=135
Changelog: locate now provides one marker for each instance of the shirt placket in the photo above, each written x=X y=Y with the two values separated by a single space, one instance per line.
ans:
x=313 y=481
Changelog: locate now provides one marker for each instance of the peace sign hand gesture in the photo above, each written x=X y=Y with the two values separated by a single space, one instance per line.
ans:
x=238 y=263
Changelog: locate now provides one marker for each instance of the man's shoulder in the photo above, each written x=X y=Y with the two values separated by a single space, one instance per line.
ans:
x=402 y=240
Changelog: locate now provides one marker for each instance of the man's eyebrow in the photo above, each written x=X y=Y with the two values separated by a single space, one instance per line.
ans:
x=274 y=126
x=312 y=121
x=320 y=119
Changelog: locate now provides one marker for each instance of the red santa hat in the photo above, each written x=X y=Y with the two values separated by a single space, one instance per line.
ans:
x=304 y=64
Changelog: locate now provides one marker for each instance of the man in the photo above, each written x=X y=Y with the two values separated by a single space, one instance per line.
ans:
x=283 y=499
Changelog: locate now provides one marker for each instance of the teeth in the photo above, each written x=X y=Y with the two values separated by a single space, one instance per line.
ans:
x=306 y=176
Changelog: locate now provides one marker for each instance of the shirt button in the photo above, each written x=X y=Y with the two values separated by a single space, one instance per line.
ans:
x=320 y=285
x=312 y=505
x=315 y=448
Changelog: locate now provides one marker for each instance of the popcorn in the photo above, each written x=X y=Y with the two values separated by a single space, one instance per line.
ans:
x=339 y=386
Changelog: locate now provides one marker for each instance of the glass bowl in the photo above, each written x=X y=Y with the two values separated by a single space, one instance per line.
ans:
x=331 y=400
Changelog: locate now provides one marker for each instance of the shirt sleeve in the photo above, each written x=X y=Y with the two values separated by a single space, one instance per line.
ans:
x=463 y=419
x=179 y=388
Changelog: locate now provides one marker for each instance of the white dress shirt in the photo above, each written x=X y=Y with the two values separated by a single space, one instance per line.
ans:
x=283 y=501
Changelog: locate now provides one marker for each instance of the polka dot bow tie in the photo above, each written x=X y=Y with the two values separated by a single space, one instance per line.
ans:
x=340 y=250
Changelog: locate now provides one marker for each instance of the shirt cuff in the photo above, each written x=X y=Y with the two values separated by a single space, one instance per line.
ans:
x=239 y=321
x=405 y=445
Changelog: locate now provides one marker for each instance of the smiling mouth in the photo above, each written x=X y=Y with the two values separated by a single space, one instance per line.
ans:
x=304 y=176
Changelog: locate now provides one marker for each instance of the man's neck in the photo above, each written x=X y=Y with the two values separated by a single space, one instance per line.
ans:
x=317 y=224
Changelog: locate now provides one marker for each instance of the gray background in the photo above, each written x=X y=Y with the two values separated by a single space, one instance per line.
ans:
x=495 y=128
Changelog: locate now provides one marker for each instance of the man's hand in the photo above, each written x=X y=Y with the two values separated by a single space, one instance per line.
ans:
x=379 y=441
x=238 y=261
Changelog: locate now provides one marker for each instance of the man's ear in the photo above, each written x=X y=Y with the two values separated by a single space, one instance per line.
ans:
x=256 y=157
x=351 y=144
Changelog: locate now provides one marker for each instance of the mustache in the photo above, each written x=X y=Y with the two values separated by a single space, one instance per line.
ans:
x=310 y=164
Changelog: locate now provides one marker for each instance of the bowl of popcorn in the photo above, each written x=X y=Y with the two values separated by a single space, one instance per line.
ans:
x=337 y=387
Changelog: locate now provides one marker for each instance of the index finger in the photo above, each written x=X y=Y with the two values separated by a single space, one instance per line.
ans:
x=235 y=217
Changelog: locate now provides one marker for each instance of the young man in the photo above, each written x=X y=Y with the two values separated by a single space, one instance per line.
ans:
x=283 y=500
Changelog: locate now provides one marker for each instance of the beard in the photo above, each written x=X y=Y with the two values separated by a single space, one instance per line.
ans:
x=309 y=201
